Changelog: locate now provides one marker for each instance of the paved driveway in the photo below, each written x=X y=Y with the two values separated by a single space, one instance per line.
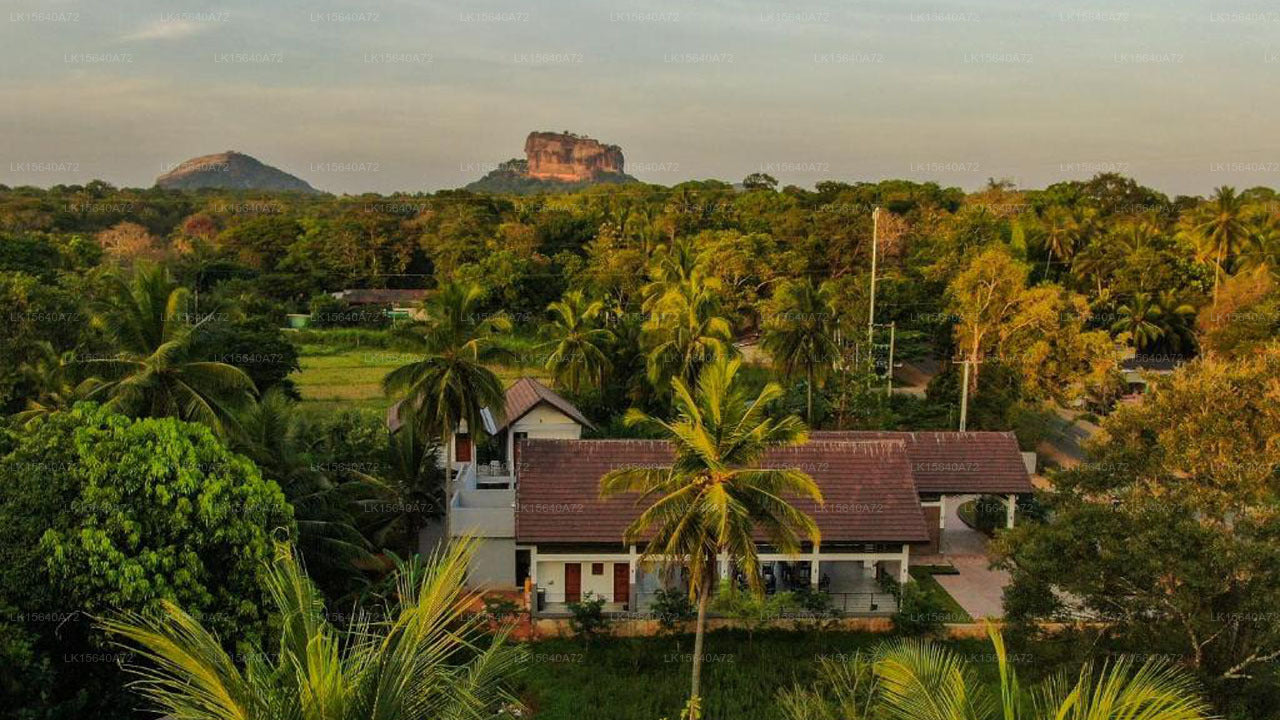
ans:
x=978 y=589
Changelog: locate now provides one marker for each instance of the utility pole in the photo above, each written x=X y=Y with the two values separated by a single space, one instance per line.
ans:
x=875 y=233
x=888 y=390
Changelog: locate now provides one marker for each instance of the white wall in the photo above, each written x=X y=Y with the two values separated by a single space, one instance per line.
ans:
x=546 y=422
x=551 y=577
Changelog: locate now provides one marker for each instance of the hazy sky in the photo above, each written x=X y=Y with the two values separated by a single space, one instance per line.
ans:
x=420 y=95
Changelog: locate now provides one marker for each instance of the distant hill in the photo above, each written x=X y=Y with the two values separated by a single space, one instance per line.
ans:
x=556 y=162
x=231 y=171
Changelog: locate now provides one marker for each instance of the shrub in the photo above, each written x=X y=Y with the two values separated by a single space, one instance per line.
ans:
x=755 y=610
x=588 y=616
x=329 y=312
x=672 y=608
x=918 y=612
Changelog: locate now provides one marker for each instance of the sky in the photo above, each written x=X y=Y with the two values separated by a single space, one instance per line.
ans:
x=420 y=95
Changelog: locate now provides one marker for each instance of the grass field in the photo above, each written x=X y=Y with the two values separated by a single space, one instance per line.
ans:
x=648 y=678
x=345 y=378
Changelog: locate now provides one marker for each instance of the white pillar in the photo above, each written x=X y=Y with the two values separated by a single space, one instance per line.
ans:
x=942 y=512
x=814 y=566
x=1010 y=507
x=511 y=449
x=633 y=601
x=722 y=560
x=903 y=574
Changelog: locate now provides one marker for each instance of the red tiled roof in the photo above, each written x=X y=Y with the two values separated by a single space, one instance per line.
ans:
x=954 y=462
x=526 y=394
x=520 y=398
x=867 y=487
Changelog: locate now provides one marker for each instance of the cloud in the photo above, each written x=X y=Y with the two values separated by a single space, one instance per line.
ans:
x=167 y=30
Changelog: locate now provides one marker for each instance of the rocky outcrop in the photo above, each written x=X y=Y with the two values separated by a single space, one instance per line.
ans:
x=556 y=163
x=230 y=171
x=570 y=158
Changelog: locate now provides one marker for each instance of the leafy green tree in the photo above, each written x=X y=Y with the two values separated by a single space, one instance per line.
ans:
x=101 y=512
x=577 y=346
x=429 y=657
x=714 y=497
x=1246 y=317
x=1169 y=530
x=800 y=333
x=154 y=374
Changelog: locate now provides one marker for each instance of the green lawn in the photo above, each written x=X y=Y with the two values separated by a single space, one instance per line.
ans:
x=648 y=678
x=923 y=575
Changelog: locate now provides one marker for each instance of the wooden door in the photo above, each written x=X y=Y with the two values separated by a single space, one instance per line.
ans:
x=621 y=583
x=462 y=448
x=572 y=582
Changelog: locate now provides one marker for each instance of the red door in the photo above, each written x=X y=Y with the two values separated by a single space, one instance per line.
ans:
x=462 y=448
x=572 y=582
x=621 y=583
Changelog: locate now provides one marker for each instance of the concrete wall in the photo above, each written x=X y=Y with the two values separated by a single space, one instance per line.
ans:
x=494 y=564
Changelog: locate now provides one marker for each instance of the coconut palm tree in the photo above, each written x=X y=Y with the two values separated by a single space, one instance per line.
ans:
x=800 y=332
x=577 y=345
x=684 y=332
x=1262 y=248
x=919 y=680
x=450 y=385
x=54 y=376
x=714 y=497
x=1141 y=318
x=154 y=375
x=408 y=491
x=1061 y=230
x=427 y=659
x=276 y=437
x=1218 y=229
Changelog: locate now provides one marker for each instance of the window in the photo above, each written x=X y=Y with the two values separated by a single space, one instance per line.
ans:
x=597 y=568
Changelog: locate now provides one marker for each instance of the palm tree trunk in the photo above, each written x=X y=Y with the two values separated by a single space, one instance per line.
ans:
x=1047 y=261
x=810 y=388
x=1217 y=270
x=700 y=631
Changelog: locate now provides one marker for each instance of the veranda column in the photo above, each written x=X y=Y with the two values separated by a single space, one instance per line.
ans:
x=1010 y=506
x=903 y=574
x=814 y=565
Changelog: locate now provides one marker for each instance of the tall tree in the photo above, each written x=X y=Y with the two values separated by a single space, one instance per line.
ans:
x=429 y=658
x=714 y=497
x=684 y=331
x=799 y=333
x=154 y=374
x=450 y=385
x=1219 y=229
x=577 y=344
x=1169 y=531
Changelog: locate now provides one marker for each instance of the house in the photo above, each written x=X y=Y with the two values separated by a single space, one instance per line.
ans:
x=529 y=488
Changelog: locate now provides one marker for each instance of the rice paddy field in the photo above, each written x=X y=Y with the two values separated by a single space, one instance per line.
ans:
x=340 y=371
